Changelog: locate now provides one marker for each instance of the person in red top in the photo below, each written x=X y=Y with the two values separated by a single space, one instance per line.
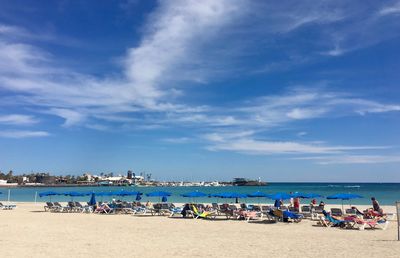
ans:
x=296 y=203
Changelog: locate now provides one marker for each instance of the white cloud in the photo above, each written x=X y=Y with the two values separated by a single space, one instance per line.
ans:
x=23 y=134
x=245 y=143
x=16 y=119
x=390 y=9
x=152 y=69
x=177 y=140
x=354 y=159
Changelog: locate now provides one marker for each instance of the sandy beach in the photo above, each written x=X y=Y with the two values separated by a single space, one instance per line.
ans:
x=28 y=231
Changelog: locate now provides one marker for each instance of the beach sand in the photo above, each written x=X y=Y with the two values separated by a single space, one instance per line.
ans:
x=30 y=232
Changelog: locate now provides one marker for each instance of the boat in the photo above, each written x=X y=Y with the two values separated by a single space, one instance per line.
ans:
x=239 y=181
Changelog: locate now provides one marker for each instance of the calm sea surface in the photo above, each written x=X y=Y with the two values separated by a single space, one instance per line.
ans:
x=386 y=193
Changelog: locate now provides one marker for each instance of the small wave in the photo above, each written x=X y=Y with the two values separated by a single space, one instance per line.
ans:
x=334 y=185
x=352 y=186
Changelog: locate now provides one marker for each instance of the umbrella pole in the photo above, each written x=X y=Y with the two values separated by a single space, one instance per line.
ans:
x=342 y=206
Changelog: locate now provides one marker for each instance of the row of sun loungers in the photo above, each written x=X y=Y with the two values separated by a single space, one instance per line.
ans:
x=352 y=218
x=70 y=207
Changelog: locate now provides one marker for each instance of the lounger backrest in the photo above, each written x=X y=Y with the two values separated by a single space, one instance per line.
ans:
x=215 y=205
x=165 y=206
x=351 y=211
x=336 y=212
x=243 y=206
x=57 y=204
x=232 y=207
x=318 y=209
x=49 y=204
x=305 y=208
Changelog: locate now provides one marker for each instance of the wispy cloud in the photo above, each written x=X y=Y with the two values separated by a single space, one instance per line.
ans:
x=247 y=144
x=23 y=134
x=16 y=119
x=167 y=48
x=390 y=9
x=177 y=140
x=353 y=159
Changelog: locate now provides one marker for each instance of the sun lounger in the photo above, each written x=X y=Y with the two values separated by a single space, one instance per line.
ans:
x=204 y=214
x=336 y=212
x=248 y=215
x=306 y=211
x=83 y=208
x=49 y=206
x=329 y=221
x=7 y=206
x=59 y=208
x=104 y=209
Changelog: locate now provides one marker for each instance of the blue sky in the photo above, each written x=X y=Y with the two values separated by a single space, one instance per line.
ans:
x=202 y=90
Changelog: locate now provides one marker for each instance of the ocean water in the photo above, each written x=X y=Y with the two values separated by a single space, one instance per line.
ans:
x=386 y=193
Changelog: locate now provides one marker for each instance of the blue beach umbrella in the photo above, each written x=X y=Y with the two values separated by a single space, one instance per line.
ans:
x=138 y=197
x=280 y=196
x=257 y=195
x=48 y=193
x=73 y=194
x=92 y=201
x=102 y=194
x=231 y=195
x=307 y=195
x=194 y=194
x=344 y=196
x=160 y=194
x=123 y=193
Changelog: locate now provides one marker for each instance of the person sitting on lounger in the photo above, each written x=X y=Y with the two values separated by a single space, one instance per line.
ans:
x=358 y=212
x=375 y=205
x=185 y=209
x=313 y=202
x=322 y=204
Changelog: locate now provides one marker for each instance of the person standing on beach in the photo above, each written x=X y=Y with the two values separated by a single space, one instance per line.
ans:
x=296 y=204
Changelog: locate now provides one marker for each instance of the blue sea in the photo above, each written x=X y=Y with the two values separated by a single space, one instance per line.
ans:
x=386 y=193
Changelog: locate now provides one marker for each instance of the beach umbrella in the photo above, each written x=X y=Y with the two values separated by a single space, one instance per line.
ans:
x=102 y=194
x=164 y=199
x=306 y=195
x=160 y=194
x=138 y=197
x=258 y=195
x=194 y=194
x=344 y=196
x=48 y=193
x=280 y=196
x=92 y=200
x=73 y=194
x=123 y=193
x=231 y=195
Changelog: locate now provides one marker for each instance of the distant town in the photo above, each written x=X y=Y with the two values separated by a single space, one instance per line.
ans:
x=89 y=179
x=106 y=179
